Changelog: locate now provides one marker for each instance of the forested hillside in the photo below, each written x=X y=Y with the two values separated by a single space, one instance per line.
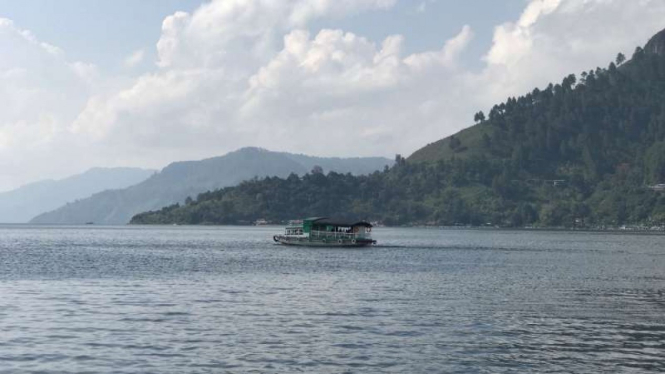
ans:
x=585 y=152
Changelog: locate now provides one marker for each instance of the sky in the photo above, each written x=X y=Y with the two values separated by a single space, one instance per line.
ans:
x=104 y=83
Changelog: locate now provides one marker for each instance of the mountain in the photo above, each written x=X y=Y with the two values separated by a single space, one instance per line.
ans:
x=24 y=203
x=181 y=180
x=586 y=152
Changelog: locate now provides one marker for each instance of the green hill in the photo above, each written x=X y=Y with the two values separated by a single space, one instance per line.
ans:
x=583 y=152
x=609 y=113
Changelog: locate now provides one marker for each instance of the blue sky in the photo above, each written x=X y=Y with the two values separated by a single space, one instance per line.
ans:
x=99 y=31
x=94 y=83
x=106 y=31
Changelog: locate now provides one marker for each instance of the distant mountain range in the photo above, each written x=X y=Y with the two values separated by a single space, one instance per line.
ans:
x=24 y=203
x=180 y=180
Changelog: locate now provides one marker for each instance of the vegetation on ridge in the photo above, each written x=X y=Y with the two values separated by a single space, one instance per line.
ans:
x=583 y=152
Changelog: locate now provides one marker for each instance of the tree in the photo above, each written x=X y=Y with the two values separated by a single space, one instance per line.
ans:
x=317 y=169
x=569 y=81
x=620 y=59
x=479 y=117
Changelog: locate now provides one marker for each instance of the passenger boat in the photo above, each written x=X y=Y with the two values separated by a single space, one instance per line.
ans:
x=327 y=232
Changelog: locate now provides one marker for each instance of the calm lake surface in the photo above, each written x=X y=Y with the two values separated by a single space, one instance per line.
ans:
x=226 y=299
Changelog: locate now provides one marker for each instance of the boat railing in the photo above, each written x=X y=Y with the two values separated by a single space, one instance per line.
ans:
x=337 y=235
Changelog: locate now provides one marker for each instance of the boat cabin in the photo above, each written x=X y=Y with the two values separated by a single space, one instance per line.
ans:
x=323 y=227
x=327 y=232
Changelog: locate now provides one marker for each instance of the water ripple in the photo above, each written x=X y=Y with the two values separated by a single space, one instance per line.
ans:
x=201 y=300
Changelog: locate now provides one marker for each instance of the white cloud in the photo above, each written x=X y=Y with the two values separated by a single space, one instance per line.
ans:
x=240 y=34
x=554 y=38
x=343 y=90
x=41 y=93
x=206 y=60
x=252 y=72
x=446 y=57
x=226 y=80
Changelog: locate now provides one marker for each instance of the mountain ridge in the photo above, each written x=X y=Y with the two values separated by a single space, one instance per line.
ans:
x=182 y=179
x=25 y=202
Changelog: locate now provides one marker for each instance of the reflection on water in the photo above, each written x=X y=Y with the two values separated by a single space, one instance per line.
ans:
x=197 y=300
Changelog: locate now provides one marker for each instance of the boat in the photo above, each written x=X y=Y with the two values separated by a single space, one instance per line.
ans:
x=327 y=232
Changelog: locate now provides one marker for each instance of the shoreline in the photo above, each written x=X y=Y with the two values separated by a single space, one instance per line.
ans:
x=619 y=229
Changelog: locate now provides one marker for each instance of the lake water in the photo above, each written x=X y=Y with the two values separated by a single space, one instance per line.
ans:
x=226 y=299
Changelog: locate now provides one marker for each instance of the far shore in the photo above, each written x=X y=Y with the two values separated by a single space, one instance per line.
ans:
x=616 y=229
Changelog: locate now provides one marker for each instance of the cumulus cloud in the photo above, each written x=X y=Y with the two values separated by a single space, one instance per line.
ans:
x=205 y=63
x=554 y=38
x=253 y=72
x=225 y=78
x=239 y=34
x=447 y=56
x=334 y=88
